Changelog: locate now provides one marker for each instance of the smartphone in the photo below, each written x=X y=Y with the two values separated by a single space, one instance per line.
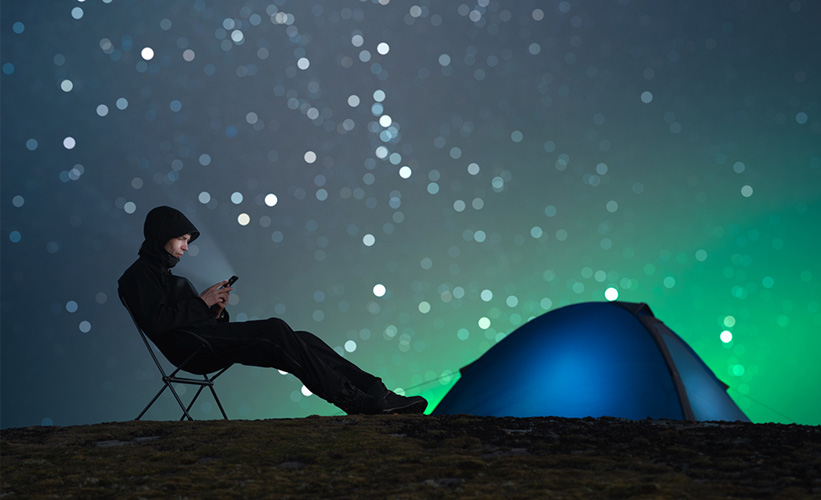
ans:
x=231 y=281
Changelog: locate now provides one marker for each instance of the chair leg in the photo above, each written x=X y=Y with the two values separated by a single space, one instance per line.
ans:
x=191 y=404
x=214 y=393
x=184 y=409
x=167 y=384
x=151 y=403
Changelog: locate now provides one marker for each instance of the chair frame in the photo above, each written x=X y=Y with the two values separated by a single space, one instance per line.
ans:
x=173 y=378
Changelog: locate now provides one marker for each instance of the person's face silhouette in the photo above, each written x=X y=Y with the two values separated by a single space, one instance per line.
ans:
x=177 y=246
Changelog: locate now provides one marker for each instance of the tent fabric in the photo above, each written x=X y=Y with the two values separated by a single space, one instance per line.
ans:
x=592 y=359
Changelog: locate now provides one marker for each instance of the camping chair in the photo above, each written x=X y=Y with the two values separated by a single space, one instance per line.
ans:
x=173 y=378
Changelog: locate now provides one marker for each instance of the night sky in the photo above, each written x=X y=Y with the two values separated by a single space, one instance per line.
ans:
x=411 y=181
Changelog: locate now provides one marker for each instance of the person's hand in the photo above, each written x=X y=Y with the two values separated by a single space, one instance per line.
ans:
x=216 y=296
x=217 y=309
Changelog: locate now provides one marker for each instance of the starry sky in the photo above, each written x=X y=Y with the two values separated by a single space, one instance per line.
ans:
x=411 y=181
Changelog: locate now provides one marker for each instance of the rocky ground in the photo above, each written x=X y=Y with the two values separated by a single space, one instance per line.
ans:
x=412 y=457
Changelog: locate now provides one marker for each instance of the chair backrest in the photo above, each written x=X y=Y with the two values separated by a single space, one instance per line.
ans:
x=142 y=333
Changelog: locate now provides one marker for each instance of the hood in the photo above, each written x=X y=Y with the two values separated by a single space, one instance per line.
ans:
x=162 y=224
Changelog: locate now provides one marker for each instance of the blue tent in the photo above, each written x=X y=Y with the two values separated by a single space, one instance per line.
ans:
x=592 y=359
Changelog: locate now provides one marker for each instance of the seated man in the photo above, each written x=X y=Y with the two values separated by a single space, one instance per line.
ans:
x=164 y=304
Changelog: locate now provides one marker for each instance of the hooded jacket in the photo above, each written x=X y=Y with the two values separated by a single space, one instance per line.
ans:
x=160 y=301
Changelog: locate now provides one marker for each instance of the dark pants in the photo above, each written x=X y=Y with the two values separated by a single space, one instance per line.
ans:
x=272 y=343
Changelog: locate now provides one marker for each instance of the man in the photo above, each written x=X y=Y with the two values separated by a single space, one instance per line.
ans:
x=164 y=304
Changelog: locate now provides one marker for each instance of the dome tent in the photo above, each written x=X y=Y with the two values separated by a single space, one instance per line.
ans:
x=592 y=359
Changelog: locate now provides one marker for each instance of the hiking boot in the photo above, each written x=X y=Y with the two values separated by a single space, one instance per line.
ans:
x=394 y=403
x=355 y=402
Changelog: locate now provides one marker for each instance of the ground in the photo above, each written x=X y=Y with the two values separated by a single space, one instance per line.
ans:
x=413 y=456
